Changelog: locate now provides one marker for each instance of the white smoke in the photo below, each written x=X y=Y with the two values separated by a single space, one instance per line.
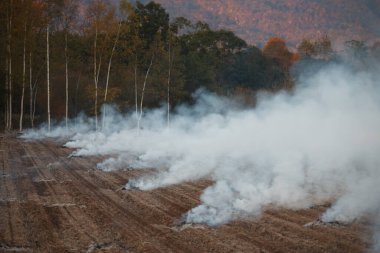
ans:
x=293 y=150
x=80 y=124
x=320 y=143
x=108 y=122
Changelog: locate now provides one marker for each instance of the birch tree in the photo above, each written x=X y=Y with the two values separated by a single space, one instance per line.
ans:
x=49 y=14
x=109 y=70
x=135 y=79
x=97 y=12
x=68 y=12
x=170 y=54
x=151 y=24
x=31 y=89
x=48 y=74
x=174 y=28
x=9 y=64
x=23 y=79
x=36 y=23
x=143 y=91
x=136 y=43
x=125 y=9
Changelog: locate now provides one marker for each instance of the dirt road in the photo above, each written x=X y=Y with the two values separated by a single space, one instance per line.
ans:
x=52 y=203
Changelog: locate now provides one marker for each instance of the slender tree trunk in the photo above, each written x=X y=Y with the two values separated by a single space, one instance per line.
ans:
x=9 y=49
x=96 y=91
x=7 y=82
x=67 y=83
x=34 y=104
x=48 y=75
x=33 y=95
x=7 y=72
x=110 y=63
x=76 y=93
x=143 y=91
x=6 y=113
x=7 y=90
x=10 y=89
x=136 y=103
x=30 y=89
x=23 y=80
x=96 y=76
x=109 y=70
x=169 y=79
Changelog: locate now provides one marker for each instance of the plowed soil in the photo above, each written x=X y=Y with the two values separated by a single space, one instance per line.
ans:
x=52 y=203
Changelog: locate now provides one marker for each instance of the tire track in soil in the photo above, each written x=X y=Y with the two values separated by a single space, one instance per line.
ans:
x=14 y=198
x=171 y=199
x=286 y=219
x=22 y=174
x=297 y=234
x=3 y=192
x=42 y=224
x=268 y=236
x=168 y=197
x=6 y=227
x=79 y=232
x=103 y=219
x=114 y=209
x=92 y=223
x=275 y=234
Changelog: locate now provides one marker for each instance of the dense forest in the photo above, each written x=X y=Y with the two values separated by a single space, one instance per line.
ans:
x=63 y=57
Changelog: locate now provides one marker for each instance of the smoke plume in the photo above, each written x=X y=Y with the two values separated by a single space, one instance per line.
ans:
x=318 y=143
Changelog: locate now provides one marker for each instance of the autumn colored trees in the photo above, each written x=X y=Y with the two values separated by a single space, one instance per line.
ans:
x=65 y=57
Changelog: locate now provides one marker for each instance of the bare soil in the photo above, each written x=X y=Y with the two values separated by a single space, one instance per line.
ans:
x=52 y=203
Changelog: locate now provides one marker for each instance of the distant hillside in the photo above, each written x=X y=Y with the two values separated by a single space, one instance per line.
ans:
x=257 y=20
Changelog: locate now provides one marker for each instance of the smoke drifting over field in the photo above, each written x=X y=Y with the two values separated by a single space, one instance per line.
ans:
x=319 y=144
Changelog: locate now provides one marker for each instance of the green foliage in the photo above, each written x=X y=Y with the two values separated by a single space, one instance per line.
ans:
x=248 y=68
x=318 y=49
x=151 y=19
x=204 y=53
x=180 y=23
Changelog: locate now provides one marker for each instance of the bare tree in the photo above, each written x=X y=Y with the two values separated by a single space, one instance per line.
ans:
x=30 y=88
x=136 y=99
x=68 y=12
x=109 y=70
x=23 y=78
x=96 y=11
x=76 y=92
x=34 y=103
x=35 y=17
x=33 y=88
x=110 y=63
x=9 y=68
x=7 y=71
x=67 y=84
x=143 y=92
x=96 y=76
x=48 y=74
x=169 y=80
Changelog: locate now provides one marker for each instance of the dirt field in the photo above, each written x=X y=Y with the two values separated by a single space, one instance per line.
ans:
x=52 y=203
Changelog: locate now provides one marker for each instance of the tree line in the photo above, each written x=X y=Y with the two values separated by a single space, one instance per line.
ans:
x=63 y=57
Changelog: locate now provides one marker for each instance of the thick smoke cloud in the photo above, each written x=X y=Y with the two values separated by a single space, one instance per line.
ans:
x=317 y=144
